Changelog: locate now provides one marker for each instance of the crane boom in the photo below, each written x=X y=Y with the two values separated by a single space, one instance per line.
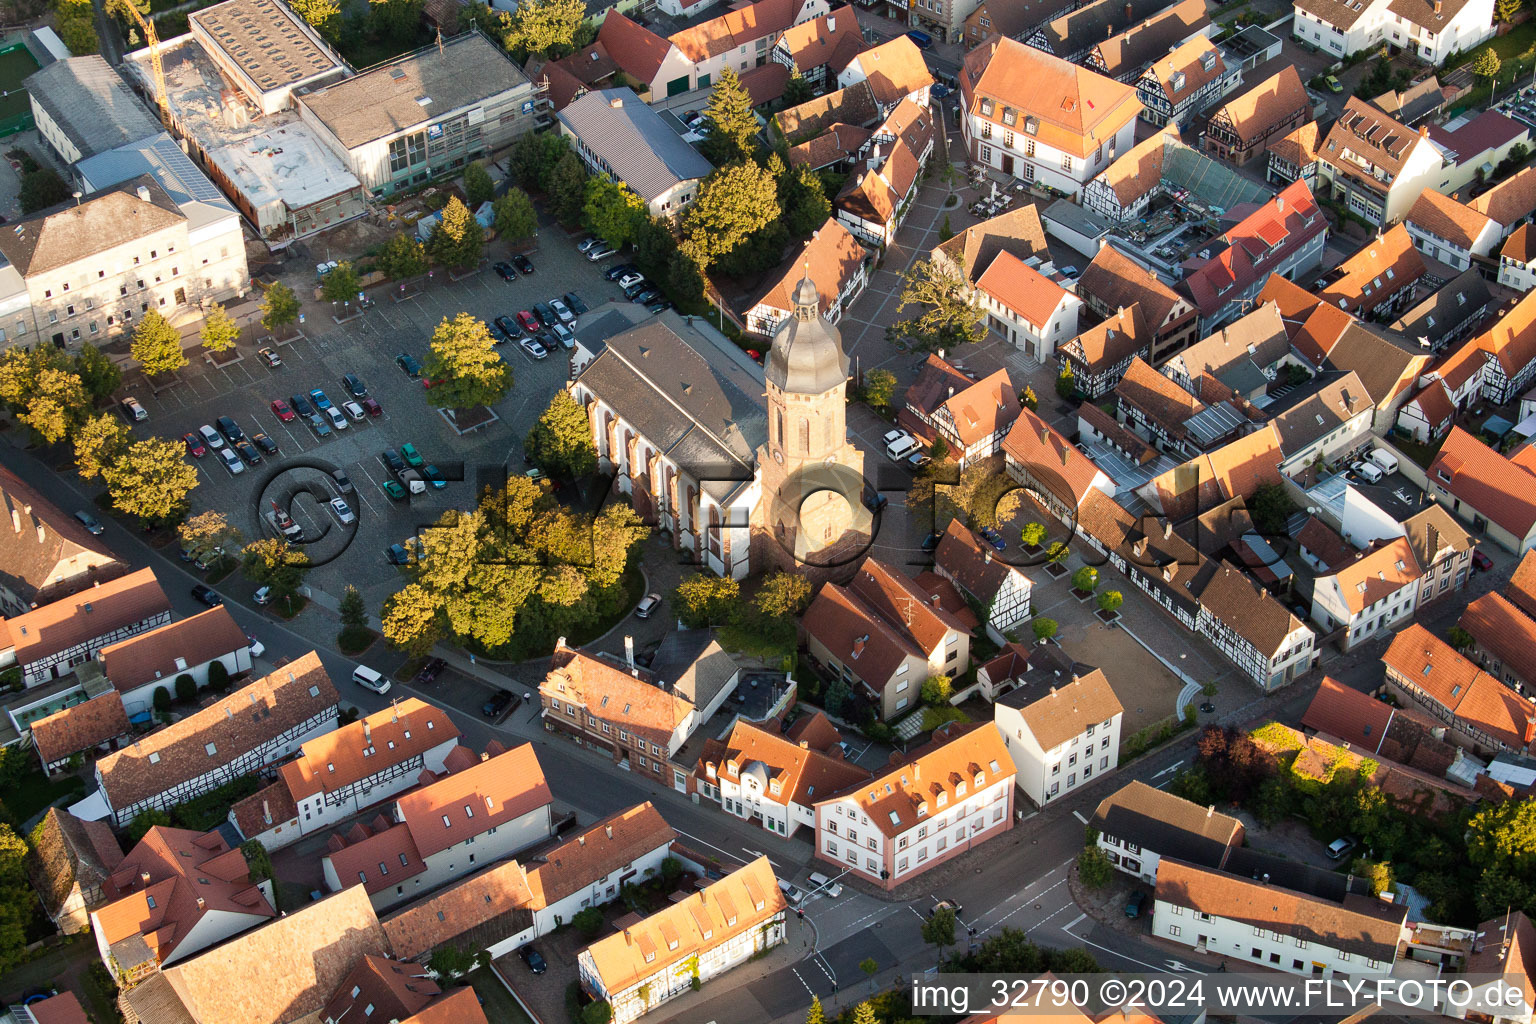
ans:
x=158 y=69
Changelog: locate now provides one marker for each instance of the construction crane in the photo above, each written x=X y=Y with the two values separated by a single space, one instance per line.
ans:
x=153 y=39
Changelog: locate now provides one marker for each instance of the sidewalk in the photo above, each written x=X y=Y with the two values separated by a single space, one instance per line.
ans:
x=799 y=937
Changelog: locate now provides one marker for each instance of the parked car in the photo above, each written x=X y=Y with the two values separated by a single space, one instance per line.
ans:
x=429 y=672
x=392 y=459
x=562 y=336
x=90 y=523
x=1135 y=903
x=1340 y=846
x=931 y=542
x=269 y=357
x=692 y=119
x=263 y=595
x=614 y=273
x=408 y=364
x=647 y=606
x=528 y=322
x=411 y=456
x=574 y=302
x=265 y=443
x=993 y=537
x=338 y=420
x=354 y=411
x=394 y=490
x=282 y=410
x=562 y=312
x=434 y=476
x=210 y=437
x=195 y=446
x=1333 y=84
x=533 y=959
x=641 y=292
x=1481 y=562
x=354 y=385
x=231 y=461
x=500 y=703
x=134 y=411
x=396 y=554
x=533 y=348
x=230 y=429
x=343 y=482
x=318 y=424
x=372 y=407
x=919 y=459
x=658 y=306
x=523 y=264
x=585 y=245
x=508 y=328
x=300 y=405
x=633 y=277
x=601 y=252
x=319 y=398
x=546 y=314
x=204 y=593
x=343 y=511
x=505 y=271
x=248 y=452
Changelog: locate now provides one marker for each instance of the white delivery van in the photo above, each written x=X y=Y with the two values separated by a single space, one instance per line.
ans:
x=1368 y=470
x=1385 y=459
x=368 y=678
x=900 y=448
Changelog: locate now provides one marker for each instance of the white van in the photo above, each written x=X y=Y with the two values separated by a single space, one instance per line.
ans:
x=901 y=447
x=366 y=677
x=820 y=882
x=1368 y=470
x=1385 y=459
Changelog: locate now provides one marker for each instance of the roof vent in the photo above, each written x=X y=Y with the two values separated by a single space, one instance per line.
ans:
x=616 y=102
x=143 y=191
x=396 y=73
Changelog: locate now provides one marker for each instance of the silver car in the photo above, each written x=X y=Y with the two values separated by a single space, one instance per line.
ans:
x=338 y=420
x=232 y=462
x=344 y=513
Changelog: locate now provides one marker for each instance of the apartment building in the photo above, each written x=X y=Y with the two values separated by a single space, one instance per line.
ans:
x=1112 y=280
x=48 y=642
x=947 y=797
x=1517 y=260
x=1139 y=825
x=1451 y=232
x=1380 y=280
x=1443 y=550
x=1060 y=738
x=1254 y=629
x=1376 y=166
x=761 y=776
x=1099 y=356
x=1369 y=596
x=1431 y=31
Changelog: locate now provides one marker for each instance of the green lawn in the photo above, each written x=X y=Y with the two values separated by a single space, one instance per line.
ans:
x=1520 y=42
x=497 y=1001
x=36 y=791
x=14 y=67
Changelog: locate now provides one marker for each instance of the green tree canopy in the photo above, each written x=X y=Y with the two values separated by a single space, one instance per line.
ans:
x=802 y=199
x=279 y=307
x=1270 y=507
x=1110 y=601
x=560 y=442
x=783 y=594
x=151 y=479
x=544 y=28
x=534 y=158
x=939 y=928
x=341 y=284
x=515 y=216
x=863 y=1013
x=323 y=15
x=731 y=133
x=157 y=345
x=457 y=240
x=947 y=318
x=98 y=373
x=1506 y=10
x=98 y=443
x=703 y=600
x=567 y=188
x=1086 y=578
x=1093 y=868
x=1044 y=629
x=396 y=20
x=57 y=402
x=478 y=186
x=733 y=202
x=612 y=212
x=1033 y=534
x=207 y=532
x=816 y=1015
x=272 y=562
x=1487 y=63
x=403 y=257
x=42 y=188
x=1028 y=399
x=797 y=91
x=412 y=620
x=219 y=331
x=76 y=20
x=463 y=364
x=937 y=690
x=879 y=388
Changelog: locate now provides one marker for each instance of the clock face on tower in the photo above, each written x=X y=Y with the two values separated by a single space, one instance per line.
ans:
x=778 y=456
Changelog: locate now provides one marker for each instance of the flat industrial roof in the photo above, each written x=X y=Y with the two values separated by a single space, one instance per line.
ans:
x=265 y=40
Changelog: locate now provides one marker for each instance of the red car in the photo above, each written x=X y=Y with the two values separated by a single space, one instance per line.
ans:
x=372 y=407
x=1481 y=562
x=529 y=321
x=195 y=446
x=284 y=413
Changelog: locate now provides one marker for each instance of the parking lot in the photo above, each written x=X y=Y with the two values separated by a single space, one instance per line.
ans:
x=298 y=478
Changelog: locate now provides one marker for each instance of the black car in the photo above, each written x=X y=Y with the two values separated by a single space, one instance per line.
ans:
x=573 y=301
x=931 y=542
x=300 y=405
x=354 y=385
x=411 y=367
x=614 y=273
x=508 y=328
x=500 y=704
x=230 y=429
x=505 y=271
x=248 y=452
x=545 y=314
x=523 y=264
x=533 y=959
x=874 y=500
x=265 y=443
x=206 y=595
x=393 y=460
x=396 y=554
x=647 y=296
x=658 y=305
x=343 y=482
x=633 y=291
x=429 y=671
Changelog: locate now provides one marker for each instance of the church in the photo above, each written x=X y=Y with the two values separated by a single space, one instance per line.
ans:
x=746 y=468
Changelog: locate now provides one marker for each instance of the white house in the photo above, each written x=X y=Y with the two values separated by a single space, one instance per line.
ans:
x=895 y=71
x=1139 y=824
x=1451 y=232
x=1061 y=738
x=1370 y=595
x=762 y=777
x=836 y=262
x=877 y=197
x=140 y=665
x=47 y=642
x=620 y=137
x=1253 y=922
x=702 y=937
x=972 y=416
x=1031 y=311
x=1254 y=629
x=1377 y=166
x=1431 y=31
x=1517 y=260
x=1000 y=587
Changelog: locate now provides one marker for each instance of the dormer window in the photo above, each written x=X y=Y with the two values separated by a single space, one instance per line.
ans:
x=986 y=107
x=943 y=799
x=981 y=778
x=922 y=809
x=731 y=921
x=672 y=944
x=959 y=789
x=649 y=957
x=759 y=904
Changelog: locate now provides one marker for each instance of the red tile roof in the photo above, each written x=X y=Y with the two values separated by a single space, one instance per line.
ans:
x=1521 y=590
x=381 y=989
x=379 y=854
x=63 y=1008
x=342 y=757
x=1023 y=289
x=458 y=1006
x=94 y=612
x=1380 y=269
x=1503 y=631
x=829 y=41
x=460 y=909
x=1050 y=458
x=895 y=68
x=1375 y=575
x=639 y=51
x=831 y=256
x=1486 y=481
x=494 y=791
x=788 y=772
x=1349 y=715
x=80 y=727
x=1248 y=256
x=163 y=653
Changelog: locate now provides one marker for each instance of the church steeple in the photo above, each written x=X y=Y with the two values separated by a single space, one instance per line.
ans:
x=807 y=301
x=807 y=355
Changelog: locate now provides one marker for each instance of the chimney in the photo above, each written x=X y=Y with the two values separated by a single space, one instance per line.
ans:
x=1424 y=128
x=144 y=877
x=367 y=733
x=1045 y=435
x=629 y=651
x=42 y=534
x=16 y=520
x=951 y=391
x=1438 y=7
x=582 y=841
x=266 y=812
x=202 y=904
x=1210 y=811
x=1109 y=30
x=831 y=23
x=616 y=102
x=1129 y=11
x=609 y=830
x=1530 y=730
x=1167 y=529
x=143 y=190
x=987 y=556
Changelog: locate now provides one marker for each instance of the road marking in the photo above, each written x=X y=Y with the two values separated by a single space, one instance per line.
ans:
x=1073 y=923
x=759 y=853
x=1171 y=768
x=802 y=981
x=1079 y=816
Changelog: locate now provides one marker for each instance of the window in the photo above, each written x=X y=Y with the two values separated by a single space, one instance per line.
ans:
x=1173 y=929
x=1029 y=147
x=1066 y=163
x=986 y=158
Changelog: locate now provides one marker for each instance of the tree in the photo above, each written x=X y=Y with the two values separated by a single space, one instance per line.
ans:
x=801 y=198
x=515 y=216
x=340 y=284
x=463 y=364
x=478 y=186
x=272 y=562
x=151 y=479
x=612 y=212
x=218 y=676
x=939 y=450
x=161 y=699
x=1506 y=10
x=871 y=967
x=1044 y=629
x=1486 y=64
x=797 y=91
x=403 y=257
x=157 y=345
x=1503 y=837
x=733 y=202
x=98 y=373
x=1028 y=399
x=1270 y=507
x=560 y=442
x=207 y=532
x=937 y=690
x=1458 y=638
x=53 y=402
x=186 y=688
x=219 y=332
x=816 y=1015
x=412 y=620
x=152 y=817
x=879 y=388
x=1033 y=534
x=454 y=961
x=588 y=921
x=42 y=188
x=865 y=1014
x=567 y=188
x=396 y=20
x=600 y=1012
x=783 y=595
x=1066 y=383
x=534 y=157
x=1057 y=552
x=544 y=28
x=457 y=240
x=702 y=600
x=323 y=15
x=354 y=620
x=1378 y=873
x=1093 y=868
x=948 y=319
x=732 y=125
x=77 y=26
x=836 y=699
x=1086 y=579
x=279 y=307
x=939 y=929
x=98 y=442
x=1110 y=601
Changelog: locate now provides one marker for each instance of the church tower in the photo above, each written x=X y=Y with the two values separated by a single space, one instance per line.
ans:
x=812 y=479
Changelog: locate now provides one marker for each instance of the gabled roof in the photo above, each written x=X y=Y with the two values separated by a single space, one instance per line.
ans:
x=971 y=564
x=369 y=746
x=787 y=772
x=831 y=257
x=1378 y=270
x=633 y=140
x=639 y=51
x=737 y=27
x=456 y=1006
x=854 y=105
x=1461 y=302
x=1189 y=68
x=897 y=599
x=895 y=69
x=985 y=408
x=470 y=907
x=1066 y=710
x=1478 y=138
x=1503 y=631
x=39 y=543
x=605 y=848
x=740 y=902
x=1140 y=170
x=1376 y=574
x=1252 y=114
x=282 y=972
x=633 y=702
x=1158 y=397
x=1168 y=825
x=1414 y=103
x=160 y=654
x=1017 y=232
x=971 y=755
x=100 y=222
x=1125 y=333
x=1341 y=14
x=1329 y=408
x=1235 y=469
x=498 y=789
x=839 y=142
x=1510 y=200
x=1443 y=216
x=1486 y=481
x=829 y=41
x=1345 y=713
x=376 y=855
x=1116 y=280
x=1299 y=147
x=1050 y=457
x=857 y=636
x=815 y=731
x=1521 y=589
x=63 y=1008
x=1068 y=106
x=1521 y=245
x=1132 y=49
x=1254 y=246
x=1431 y=664
x=1023 y=289
x=1433 y=533
x=1508 y=948
x=91 y=104
x=220 y=733
x=1094 y=22
x=80 y=727
x=1387 y=364
x=97 y=612
x=69 y=854
x=381 y=989
x=1249 y=610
